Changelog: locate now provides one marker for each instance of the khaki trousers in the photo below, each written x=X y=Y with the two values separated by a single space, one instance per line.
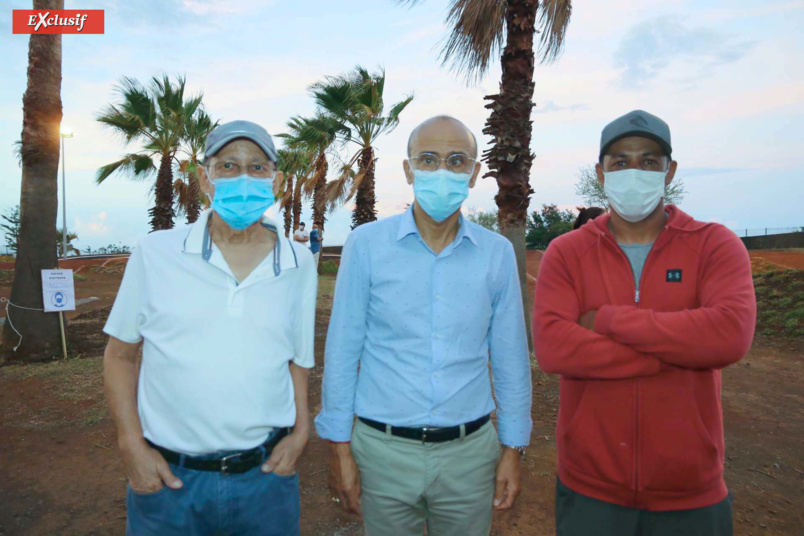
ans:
x=407 y=484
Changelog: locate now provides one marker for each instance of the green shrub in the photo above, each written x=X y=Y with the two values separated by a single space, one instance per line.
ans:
x=785 y=302
x=329 y=267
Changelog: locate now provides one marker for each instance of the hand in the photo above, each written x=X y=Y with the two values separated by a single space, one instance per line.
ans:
x=587 y=320
x=508 y=480
x=285 y=454
x=344 y=477
x=147 y=469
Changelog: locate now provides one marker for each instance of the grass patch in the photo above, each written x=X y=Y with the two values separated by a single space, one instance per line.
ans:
x=780 y=303
x=329 y=267
x=75 y=382
x=79 y=277
x=6 y=276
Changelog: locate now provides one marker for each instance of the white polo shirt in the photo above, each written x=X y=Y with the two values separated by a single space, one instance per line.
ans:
x=214 y=373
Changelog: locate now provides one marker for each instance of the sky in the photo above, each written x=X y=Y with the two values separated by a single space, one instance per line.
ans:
x=727 y=75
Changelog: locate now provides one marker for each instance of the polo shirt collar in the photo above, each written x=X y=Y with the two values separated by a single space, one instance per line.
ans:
x=199 y=242
x=407 y=226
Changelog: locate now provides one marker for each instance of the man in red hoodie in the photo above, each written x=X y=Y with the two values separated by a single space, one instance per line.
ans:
x=638 y=311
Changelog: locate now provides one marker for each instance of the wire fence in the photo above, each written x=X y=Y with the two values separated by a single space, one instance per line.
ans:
x=767 y=231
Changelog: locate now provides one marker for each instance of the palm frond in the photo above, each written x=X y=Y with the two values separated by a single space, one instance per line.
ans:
x=554 y=20
x=477 y=36
x=133 y=166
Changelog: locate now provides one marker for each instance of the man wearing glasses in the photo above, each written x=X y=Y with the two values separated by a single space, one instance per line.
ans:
x=424 y=300
x=211 y=423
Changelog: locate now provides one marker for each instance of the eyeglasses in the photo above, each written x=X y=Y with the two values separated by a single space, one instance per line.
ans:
x=456 y=162
x=227 y=170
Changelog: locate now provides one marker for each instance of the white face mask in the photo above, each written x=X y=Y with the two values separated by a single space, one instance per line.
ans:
x=634 y=193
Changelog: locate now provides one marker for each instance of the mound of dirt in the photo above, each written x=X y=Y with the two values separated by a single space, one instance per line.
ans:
x=85 y=337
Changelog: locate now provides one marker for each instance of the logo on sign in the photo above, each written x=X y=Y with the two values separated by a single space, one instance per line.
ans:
x=673 y=276
x=58 y=21
x=59 y=299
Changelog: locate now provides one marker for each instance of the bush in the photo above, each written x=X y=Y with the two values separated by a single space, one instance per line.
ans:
x=329 y=267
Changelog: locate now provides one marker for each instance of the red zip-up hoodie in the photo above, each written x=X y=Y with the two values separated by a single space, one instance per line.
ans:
x=640 y=421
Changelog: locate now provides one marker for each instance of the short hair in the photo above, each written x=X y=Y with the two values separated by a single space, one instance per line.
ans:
x=301 y=224
x=586 y=214
x=449 y=117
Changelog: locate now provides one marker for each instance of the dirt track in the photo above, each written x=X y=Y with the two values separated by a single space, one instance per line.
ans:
x=60 y=472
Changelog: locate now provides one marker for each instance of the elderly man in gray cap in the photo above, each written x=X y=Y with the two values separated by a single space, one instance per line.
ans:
x=213 y=419
x=638 y=311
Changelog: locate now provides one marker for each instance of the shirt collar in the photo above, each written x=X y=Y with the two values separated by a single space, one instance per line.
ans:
x=198 y=241
x=407 y=226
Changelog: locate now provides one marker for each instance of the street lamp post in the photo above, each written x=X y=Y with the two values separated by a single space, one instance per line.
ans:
x=64 y=134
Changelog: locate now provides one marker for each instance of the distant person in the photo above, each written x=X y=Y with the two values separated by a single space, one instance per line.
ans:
x=586 y=214
x=301 y=235
x=316 y=239
x=638 y=312
x=212 y=422
x=424 y=300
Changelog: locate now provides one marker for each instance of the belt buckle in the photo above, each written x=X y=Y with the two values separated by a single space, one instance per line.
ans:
x=225 y=461
x=424 y=435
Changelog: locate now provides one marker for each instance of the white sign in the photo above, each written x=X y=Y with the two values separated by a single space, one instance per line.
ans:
x=58 y=292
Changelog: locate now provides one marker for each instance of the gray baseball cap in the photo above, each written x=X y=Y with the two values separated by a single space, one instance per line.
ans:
x=223 y=134
x=637 y=123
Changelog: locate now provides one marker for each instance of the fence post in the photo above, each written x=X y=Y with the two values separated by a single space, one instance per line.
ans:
x=766 y=231
x=746 y=233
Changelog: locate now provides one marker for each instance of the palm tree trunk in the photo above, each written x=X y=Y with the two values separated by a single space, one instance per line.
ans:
x=319 y=190
x=364 y=200
x=41 y=116
x=288 y=205
x=297 y=205
x=162 y=213
x=194 y=206
x=509 y=124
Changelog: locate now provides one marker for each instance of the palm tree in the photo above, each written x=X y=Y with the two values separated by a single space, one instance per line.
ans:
x=355 y=101
x=317 y=134
x=480 y=29
x=39 y=152
x=157 y=117
x=296 y=165
x=187 y=188
x=70 y=237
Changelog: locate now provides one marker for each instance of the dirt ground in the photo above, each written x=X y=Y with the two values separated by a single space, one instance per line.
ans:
x=60 y=472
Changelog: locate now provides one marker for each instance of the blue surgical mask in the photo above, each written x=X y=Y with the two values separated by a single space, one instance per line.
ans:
x=241 y=201
x=440 y=193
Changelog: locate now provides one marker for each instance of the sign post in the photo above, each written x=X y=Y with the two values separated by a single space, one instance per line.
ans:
x=58 y=295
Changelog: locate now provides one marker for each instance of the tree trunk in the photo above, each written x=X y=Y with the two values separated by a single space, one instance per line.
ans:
x=41 y=117
x=288 y=206
x=297 y=205
x=194 y=207
x=364 y=200
x=319 y=190
x=162 y=213
x=509 y=123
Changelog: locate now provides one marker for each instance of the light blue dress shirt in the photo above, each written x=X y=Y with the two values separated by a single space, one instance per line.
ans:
x=422 y=327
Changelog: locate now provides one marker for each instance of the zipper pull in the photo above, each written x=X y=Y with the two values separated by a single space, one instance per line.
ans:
x=636 y=297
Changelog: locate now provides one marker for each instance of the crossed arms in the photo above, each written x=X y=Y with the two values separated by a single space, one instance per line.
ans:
x=627 y=341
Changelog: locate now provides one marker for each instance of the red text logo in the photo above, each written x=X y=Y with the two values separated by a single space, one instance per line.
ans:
x=58 y=21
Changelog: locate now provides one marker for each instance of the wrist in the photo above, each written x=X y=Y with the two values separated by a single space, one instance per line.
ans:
x=519 y=452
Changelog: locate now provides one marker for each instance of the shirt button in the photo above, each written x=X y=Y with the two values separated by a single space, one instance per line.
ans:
x=438 y=296
x=438 y=336
x=435 y=412
x=435 y=374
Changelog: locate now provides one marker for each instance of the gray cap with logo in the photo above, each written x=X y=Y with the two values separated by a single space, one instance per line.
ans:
x=637 y=123
x=223 y=134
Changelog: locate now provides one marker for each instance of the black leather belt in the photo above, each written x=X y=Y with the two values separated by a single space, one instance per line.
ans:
x=232 y=464
x=428 y=434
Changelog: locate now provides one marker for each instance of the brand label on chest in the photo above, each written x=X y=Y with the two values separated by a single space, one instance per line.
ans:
x=673 y=276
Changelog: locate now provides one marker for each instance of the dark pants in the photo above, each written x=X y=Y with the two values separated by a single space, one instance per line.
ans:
x=252 y=503
x=579 y=515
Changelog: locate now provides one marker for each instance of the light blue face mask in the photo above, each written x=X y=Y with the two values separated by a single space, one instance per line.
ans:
x=440 y=193
x=241 y=201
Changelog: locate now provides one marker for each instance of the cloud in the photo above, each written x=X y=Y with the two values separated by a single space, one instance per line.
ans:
x=95 y=227
x=653 y=45
x=551 y=106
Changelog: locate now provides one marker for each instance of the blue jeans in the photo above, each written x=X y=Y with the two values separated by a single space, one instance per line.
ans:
x=252 y=503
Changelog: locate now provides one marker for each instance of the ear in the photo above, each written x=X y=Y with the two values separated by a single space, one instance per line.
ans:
x=599 y=172
x=279 y=182
x=408 y=171
x=671 y=172
x=475 y=173
x=205 y=181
